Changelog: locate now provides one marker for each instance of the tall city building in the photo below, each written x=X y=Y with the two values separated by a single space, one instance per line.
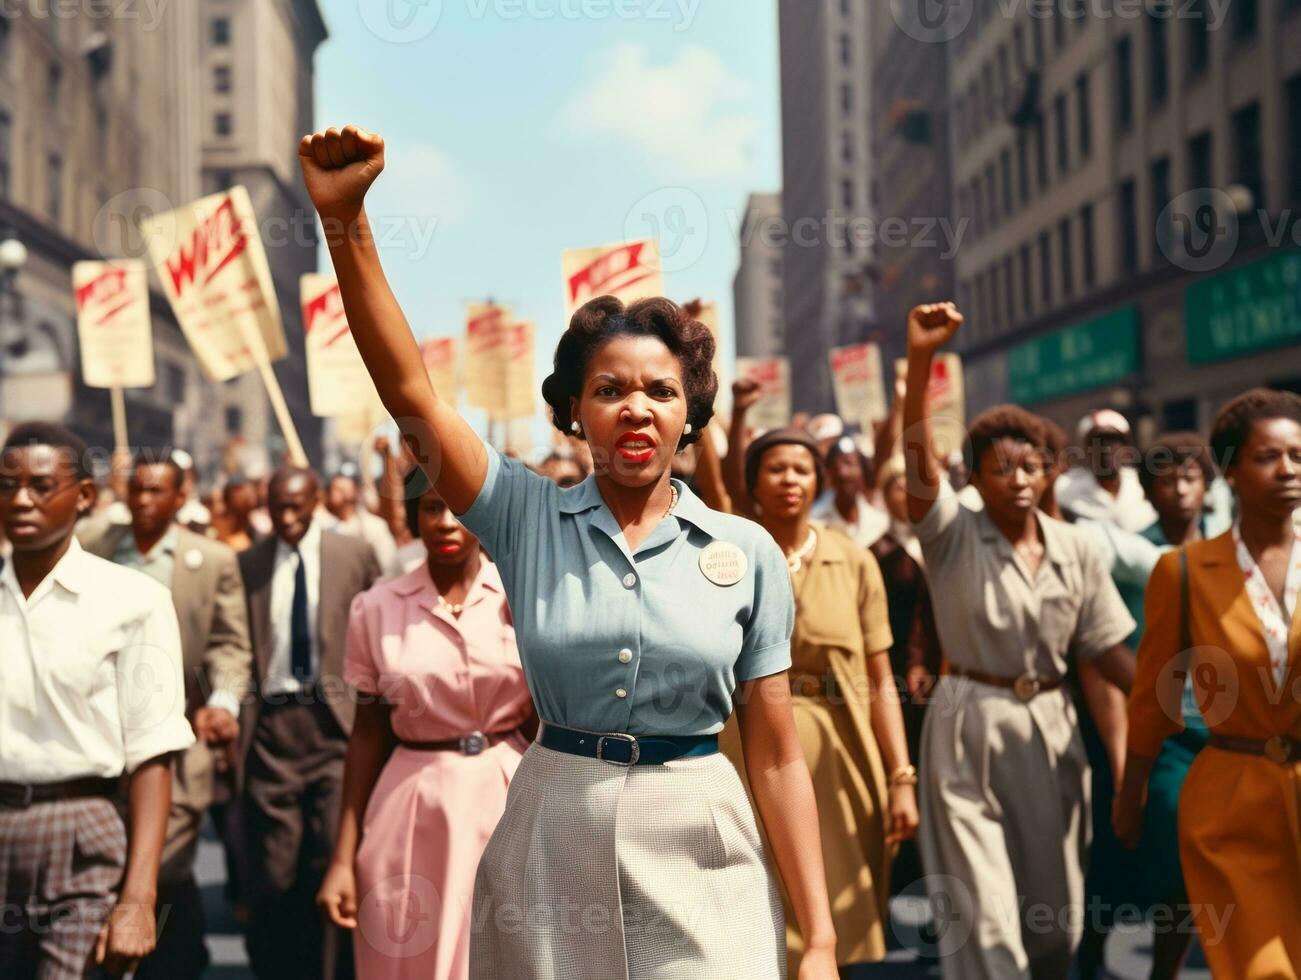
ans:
x=826 y=180
x=757 y=288
x=1125 y=177
x=918 y=232
x=108 y=112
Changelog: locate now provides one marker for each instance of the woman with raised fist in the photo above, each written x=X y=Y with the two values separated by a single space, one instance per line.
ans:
x=1018 y=595
x=628 y=848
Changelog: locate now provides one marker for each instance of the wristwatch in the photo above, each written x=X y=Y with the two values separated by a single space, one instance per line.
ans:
x=904 y=776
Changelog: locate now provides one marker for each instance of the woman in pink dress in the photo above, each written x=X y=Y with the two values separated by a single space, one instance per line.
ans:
x=443 y=718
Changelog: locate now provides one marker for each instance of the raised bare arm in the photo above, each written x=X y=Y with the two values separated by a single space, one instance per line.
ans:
x=339 y=167
x=930 y=327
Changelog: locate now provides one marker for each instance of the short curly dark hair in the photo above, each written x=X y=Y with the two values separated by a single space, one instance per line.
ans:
x=598 y=321
x=1174 y=449
x=1002 y=422
x=1233 y=424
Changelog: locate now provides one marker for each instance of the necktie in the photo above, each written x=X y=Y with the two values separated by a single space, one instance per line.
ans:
x=300 y=635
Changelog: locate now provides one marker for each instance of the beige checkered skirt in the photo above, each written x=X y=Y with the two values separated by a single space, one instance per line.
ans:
x=602 y=871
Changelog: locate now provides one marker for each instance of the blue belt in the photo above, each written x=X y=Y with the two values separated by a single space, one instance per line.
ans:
x=627 y=750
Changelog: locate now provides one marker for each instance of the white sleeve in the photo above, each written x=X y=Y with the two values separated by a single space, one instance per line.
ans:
x=151 y=685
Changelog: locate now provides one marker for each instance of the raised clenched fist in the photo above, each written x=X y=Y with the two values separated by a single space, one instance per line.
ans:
x=339 y=166
x=932 y=325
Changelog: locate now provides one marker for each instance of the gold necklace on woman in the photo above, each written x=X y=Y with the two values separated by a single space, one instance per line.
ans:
x=673 y=500
x=795 y=560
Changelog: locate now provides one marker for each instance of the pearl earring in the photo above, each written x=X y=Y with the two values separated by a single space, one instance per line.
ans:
x=687 y=431
x=574 y=427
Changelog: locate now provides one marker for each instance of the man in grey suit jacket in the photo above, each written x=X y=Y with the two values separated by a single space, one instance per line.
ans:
x=208 y=595
x=300 y=585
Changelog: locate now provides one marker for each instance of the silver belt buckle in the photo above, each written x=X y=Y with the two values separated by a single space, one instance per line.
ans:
x=631 y=740
x=473 y=744
x=1026 y=686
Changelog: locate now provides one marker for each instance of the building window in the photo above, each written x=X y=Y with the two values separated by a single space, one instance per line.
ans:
x=1059 y=28
x=221 y=31
x=54 y=187
x=53 y=86
x=1244 y=19
x=1023 y=166
x=844 y=7
x=1068 y=258
x=1085 y=117
x=1086 y=232
x=221 y=79
x=1199 y=36
x=1246 y=148
x=1199 y=161
x=991 y=196
x=1018 y=48
x=1063 y=134
x=1005 y=175
x=1009 y=295
x=977 y=209
x=991 y=96
x=1041 y=152
x=175 y=385
x=1004 y=71
x=1027 y=282
x=234 y=420
x=1293 y=134
x=1127 y=219
x=1124 y=84
x=1046 y=268
x=846 y=51
x=1037 y=28
x=221 y=124
x=982 y=300
x=1158 y=64
x=1161 y=195
x=6 y=140
x=847 y=194
x=846 y=98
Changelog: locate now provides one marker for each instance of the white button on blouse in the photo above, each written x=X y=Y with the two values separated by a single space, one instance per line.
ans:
x=625 y=656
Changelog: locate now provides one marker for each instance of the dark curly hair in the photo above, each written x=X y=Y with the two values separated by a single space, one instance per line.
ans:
x=597 y=322
x=1171 y=451
x=1233 y=424
x=1002 y=422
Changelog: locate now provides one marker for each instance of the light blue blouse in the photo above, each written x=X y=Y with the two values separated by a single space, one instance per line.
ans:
x=613 y=641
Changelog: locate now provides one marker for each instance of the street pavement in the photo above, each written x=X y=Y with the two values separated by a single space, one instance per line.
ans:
x=1129 y=953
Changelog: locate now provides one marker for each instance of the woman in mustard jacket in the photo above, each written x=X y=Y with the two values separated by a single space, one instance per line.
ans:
x=1225 y=611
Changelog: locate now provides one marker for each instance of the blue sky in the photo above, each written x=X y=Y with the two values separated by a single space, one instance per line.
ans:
x=519 y=128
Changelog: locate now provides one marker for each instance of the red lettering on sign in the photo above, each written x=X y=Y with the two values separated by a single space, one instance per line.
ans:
x=215 y=243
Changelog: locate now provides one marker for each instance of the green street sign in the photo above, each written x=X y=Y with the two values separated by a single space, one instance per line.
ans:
x=1244 y=310
x=1081 y=357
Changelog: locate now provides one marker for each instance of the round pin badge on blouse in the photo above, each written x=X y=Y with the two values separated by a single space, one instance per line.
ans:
x=194 y=559
x=723 y=563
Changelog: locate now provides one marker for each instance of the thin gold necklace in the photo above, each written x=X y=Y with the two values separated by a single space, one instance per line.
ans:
x=673 y=500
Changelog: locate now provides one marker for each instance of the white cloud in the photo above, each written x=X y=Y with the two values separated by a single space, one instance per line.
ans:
x=420 y=181
x=680 y=114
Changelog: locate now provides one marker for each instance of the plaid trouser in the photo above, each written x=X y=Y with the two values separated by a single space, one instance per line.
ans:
x=60 y=864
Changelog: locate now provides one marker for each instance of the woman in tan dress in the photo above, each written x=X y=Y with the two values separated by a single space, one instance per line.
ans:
x=843 y=692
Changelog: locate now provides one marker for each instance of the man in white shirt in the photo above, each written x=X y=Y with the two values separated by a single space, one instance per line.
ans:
x=300 y=585
x=91 y=688
x=844 y=506
x=1106 y=488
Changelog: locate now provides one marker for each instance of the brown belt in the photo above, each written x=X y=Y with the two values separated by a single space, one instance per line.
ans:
x=1025 y=687
x=471 y=744
x=20 y=795
x=1278 y=749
